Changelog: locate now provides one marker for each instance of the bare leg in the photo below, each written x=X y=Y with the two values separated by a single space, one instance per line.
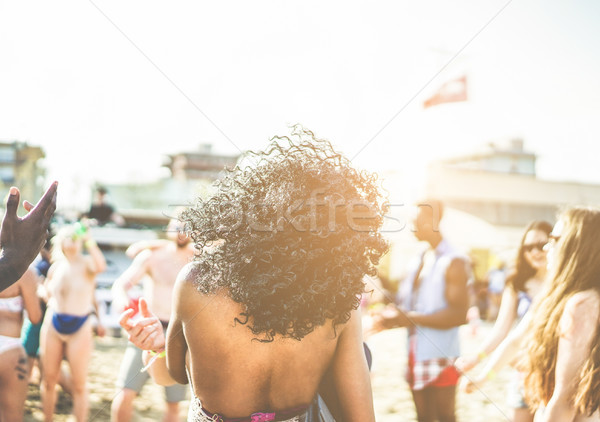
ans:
x=65 y=381
x=422 y=399
x=79 y=351
x=30 y=364
x=444 y=400
x=13 y=384
x=51 y=353
x=172 y=413
x=121 y=409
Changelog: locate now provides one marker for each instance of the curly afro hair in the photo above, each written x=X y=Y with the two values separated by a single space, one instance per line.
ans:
x=293 y=235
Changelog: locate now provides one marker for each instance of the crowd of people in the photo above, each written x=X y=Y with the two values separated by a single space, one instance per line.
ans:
x=252 y=304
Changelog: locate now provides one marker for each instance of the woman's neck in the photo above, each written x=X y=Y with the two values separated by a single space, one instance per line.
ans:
x=540 y=274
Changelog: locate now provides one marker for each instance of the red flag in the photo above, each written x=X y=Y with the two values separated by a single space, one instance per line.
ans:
x=452 y=91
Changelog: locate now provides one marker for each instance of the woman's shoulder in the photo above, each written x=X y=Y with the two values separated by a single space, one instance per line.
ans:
x=581 y=310
x=186 y=285
x=584 y=301
x=188 y=275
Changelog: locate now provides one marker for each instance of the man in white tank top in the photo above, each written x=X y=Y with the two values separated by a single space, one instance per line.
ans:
x=434 y=304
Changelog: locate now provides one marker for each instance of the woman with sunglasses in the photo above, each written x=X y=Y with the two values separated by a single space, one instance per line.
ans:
x=522 y=286
x=563 y=365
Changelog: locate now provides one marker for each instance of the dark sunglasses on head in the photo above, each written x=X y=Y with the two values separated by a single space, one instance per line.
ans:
x=539 y=246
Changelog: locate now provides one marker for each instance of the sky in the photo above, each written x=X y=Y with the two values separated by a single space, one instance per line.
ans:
x=109 y=88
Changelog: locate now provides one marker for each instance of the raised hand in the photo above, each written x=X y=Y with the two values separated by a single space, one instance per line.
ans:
x=22 y=238
x=146 y=333
x=469 y=385
x=466 y=363
x=390 y=317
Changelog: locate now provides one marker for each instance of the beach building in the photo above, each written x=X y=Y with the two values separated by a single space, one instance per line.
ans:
x=499 y=185
x=147 y=209
x=490 y=196
x=20 y=166
x=191 y=173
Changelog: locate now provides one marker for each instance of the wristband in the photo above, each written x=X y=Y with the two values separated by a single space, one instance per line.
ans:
x=158 y=354
x=481 y=355
x=89 y=243
x=155 y=356
x=491 y=374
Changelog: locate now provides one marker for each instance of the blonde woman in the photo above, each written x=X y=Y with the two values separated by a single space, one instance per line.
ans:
x=563 y=363
x=67 y=330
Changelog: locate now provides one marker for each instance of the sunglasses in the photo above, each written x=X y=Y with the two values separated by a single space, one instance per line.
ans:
x=539 y=246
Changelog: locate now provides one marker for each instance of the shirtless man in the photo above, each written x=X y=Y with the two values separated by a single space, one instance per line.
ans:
x=157 y=264
x=67 y=330
x=260 y=317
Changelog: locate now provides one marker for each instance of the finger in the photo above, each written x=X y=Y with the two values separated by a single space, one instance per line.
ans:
x=145 y=322
x=135 y=330
x=47 y=203
x=142 y=337
x=12 y=203
x=148 y=331
x=144 y=311
x=124 y=319
x=49 y=211
x=28 y=206
x=49 y=196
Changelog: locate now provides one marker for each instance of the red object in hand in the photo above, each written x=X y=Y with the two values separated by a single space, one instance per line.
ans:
x=135 y=305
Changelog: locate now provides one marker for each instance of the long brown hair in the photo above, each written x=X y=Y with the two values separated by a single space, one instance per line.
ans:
x=523 y=271
x=576 y=268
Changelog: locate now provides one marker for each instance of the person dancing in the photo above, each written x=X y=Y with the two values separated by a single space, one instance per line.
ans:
x=522 y=286
x=563 y=364
x=67 y=330
x=273 y=301
x=20 y=296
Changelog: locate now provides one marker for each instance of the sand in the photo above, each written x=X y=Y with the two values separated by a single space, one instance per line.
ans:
x=392 y=397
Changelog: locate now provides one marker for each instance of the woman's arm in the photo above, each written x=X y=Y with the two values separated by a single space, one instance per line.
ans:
x=98 y=262
x=135 y=248
x=183 y=306
x=29 y=285
x=506 y=317
x=504 y=353
x=100 y=330
x=577 y=327
x=44 y=288
x=351 y=374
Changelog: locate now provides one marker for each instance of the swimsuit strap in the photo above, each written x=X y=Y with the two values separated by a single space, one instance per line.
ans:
x=199 y=414
x=11 y=304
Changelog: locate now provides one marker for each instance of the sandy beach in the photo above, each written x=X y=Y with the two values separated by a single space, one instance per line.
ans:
x=392 y=397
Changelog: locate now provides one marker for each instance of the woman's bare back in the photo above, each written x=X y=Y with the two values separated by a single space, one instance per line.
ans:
x=235 y=372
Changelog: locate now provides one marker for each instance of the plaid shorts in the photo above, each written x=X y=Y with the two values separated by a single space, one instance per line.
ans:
x=439 y=372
